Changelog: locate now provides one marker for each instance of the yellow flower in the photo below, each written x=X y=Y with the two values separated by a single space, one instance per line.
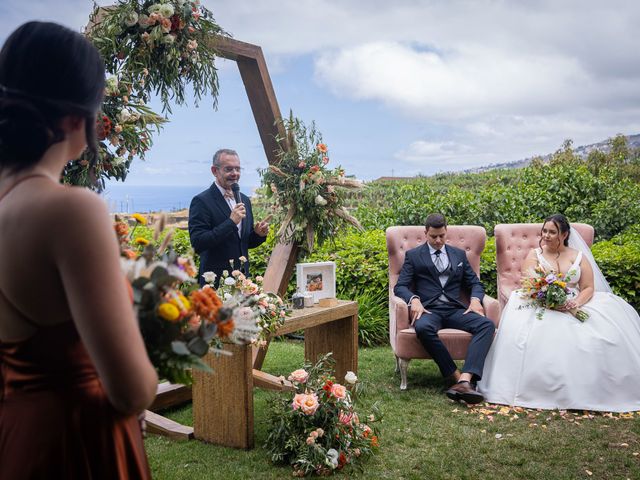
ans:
x=139 y=218
x=142 y=241
x=169 y=311
x=181 y=302
x=561 y=284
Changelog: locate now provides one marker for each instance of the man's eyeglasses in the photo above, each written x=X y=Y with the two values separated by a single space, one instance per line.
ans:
x=231 y=169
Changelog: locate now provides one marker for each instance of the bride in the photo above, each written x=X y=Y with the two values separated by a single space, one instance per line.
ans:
x=557 y=361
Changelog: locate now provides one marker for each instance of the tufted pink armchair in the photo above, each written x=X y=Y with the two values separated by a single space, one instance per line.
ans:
x=513 y=243
x=404 y=342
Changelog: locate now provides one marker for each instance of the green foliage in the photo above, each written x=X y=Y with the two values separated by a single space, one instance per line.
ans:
x=602 y=191
x=618 y=259
x=361 y=262
x=488 y=273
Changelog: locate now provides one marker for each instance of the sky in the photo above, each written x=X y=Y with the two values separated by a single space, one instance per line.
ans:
x=405 y=87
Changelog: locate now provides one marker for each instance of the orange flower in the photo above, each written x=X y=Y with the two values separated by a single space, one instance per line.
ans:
x=225 y=328
x=122 y=229
x=322 y=148
x=128 y=253
x=206 y=303
x=374 y=441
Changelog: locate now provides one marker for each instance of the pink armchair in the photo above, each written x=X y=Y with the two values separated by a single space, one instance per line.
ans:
x=513 y=243
x=404 y=342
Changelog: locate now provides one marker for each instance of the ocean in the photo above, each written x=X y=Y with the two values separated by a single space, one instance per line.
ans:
x=122 y=198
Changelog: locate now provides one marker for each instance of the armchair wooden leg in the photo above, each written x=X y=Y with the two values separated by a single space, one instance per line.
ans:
x=404 y=366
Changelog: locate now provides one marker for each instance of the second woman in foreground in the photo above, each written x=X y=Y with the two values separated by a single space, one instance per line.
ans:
x=556 y=361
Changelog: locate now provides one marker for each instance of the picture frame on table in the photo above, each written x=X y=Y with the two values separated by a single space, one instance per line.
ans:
x=318 y=278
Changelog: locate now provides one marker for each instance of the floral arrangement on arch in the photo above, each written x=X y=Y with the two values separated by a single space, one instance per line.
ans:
x=149 y=47
x=268 y=308
x=316 y=429
x=179 y=322
x=307 y=197
x=548 y=290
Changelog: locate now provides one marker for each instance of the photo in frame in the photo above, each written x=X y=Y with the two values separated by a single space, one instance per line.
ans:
x=317 y=278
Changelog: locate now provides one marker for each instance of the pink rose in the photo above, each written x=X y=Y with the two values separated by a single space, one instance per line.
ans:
x=338 y=391
x=299 y=376
x=308 y=403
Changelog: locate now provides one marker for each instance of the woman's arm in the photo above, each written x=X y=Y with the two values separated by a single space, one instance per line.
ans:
x=529 y=264
x=86 y=253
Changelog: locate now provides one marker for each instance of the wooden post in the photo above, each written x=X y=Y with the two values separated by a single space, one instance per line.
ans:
x=223 y=400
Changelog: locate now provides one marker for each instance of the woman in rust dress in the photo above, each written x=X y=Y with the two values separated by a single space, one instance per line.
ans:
x=74 y=374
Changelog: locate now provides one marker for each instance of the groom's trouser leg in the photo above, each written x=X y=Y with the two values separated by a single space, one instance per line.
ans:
x=481 y=329
x=427 y=327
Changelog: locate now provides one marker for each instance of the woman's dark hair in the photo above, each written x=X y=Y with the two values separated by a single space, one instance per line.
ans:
x=47 y=72
x=561 y=223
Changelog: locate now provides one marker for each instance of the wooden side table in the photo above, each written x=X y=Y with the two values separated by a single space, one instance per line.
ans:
x=223 y=401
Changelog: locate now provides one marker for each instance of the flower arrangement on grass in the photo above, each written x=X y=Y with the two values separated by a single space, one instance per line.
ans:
x=307 y=197
x=548 y=290
x=149 y=47
x=179 y=322
x=268 y=308
x=317 y=430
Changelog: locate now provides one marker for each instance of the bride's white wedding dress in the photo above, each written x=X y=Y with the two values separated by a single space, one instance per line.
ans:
x=559 y=362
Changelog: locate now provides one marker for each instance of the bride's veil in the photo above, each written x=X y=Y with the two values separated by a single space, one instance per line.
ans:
x=576 y=241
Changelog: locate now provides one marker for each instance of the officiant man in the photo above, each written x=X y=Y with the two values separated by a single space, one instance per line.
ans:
x=221 y=224
x=431 y=280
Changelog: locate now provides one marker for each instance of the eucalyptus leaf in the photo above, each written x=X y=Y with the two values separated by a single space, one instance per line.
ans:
x=180 y=347
x=198 y=346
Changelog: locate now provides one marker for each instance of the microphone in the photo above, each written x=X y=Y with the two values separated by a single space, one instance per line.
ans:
x=235 y=188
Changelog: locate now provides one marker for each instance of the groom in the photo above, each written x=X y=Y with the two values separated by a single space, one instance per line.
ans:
x=431 y=281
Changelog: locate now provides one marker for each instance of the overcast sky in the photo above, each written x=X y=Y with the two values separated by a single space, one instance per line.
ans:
x=405 y=87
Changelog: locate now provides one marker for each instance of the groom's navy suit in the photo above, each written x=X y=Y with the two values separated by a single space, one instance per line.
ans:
x=446 y=304
x=215 y=237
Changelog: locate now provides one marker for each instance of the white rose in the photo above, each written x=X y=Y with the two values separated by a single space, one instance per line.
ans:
x=125 y=115
x=131 y=19
x=351 y=378
x=209 y=277
x=143 y=21
x=320 y=200
x=169 y=39
x=332 y=456
x=227 y=296
x=166 y=10
x=111 y=85
x=155 y=8
x=229 y=281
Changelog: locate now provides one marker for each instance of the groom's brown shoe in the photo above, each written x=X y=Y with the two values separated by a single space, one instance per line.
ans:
x=465 y=391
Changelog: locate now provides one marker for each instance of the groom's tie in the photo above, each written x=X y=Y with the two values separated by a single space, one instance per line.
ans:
x=438 y=262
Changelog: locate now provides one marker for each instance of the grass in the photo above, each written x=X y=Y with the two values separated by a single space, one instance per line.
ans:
x=425 y=436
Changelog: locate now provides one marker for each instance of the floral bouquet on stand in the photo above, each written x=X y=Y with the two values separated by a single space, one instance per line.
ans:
x=318 y=431
x=549 y=291
x=179 y=322
x=307 y=197
x=268 y=308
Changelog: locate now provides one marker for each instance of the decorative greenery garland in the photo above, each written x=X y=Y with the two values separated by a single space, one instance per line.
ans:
x=148 y=47
x=307 y=197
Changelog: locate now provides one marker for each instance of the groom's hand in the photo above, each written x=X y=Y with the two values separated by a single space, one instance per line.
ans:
x=417 y=309
x=475 y=306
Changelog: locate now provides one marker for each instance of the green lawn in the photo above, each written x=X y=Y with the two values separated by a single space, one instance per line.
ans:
x=426 y=436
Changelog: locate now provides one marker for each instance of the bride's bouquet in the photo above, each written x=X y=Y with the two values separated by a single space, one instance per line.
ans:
x=179 y=322
x=548 y=290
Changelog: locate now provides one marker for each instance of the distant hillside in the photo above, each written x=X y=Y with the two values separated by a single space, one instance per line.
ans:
x=582 y=151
